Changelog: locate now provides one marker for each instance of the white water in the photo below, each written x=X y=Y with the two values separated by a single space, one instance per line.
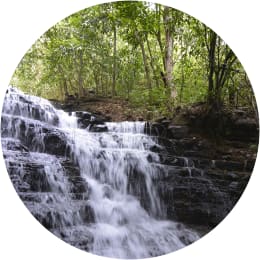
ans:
x=130 y=220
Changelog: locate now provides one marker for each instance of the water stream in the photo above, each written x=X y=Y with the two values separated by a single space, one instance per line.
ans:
x=118 y=213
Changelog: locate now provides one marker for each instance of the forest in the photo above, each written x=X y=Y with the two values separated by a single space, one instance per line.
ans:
x=155 y=57
x=130 y=130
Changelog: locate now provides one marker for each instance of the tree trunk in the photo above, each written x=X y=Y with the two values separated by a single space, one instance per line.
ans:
x=211 y=57
x=114 y=61
x=169 y=52
x=146 y=68
x=96 y=82
x=80 y=76
x=158 y=34
x=152 y=62
x=65 y=87
x=182 y=81
x=232 y=93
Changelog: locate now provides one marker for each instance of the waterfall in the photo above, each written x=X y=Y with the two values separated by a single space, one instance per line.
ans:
x=95 y=190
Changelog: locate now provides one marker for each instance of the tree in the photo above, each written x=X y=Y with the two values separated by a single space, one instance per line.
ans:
x=221 y=60
x=144 y=52
x=168 y=27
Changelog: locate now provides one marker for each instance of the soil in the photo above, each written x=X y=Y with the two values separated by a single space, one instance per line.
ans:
x=116 y=109
x=236 y=145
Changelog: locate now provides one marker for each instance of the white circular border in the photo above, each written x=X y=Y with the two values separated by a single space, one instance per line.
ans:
x=23 y=22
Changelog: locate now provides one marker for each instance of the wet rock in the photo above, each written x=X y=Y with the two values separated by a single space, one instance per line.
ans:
x=107 y=192
x=83 y=115
x=97 y=120
x=78 y=237
x=83 y=123
x=84 y=118
x=158 y=129
x=52 y=219
x=98 y=128
x=87 y=214
x=14 y=145
x=78 y=186
x=137 y=187
x=29 y=177
x=156 y=148
x=55 y=143
x=193 y=185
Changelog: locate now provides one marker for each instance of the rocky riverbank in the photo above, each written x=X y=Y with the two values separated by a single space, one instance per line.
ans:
x=206 y=176
x=204 y=180
x=63 y=166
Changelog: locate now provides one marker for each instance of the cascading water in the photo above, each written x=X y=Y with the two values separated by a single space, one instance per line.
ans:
x=111 y=207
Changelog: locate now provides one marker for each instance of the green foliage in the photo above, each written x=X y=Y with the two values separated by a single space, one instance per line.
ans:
x=81 y=53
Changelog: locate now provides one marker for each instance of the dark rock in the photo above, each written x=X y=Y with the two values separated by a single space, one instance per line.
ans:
x=158 y=129
x=107 y=192
x=87 y=214
x=78 y=186
x=83 y=123
x=137 y=187
x=202 y=163
x=229 y=165
x=147 y=128
x=82 y=239
x=97 y=120
x=98 y=128
x=197 y=197
x=14 y=145
x=83 y=115
x=165 y=122
x=196 y=184
x=159 y=120
x=55 y=143
x=197 y=154
x=37 y=179
x=177 y=131
x=177 y=172
x=168 y=144
x=28 y=177
x=156 y=148
x=246 y=124
x=249 y=165
x=108 y=118
x=52 y=219
x=243 y=129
